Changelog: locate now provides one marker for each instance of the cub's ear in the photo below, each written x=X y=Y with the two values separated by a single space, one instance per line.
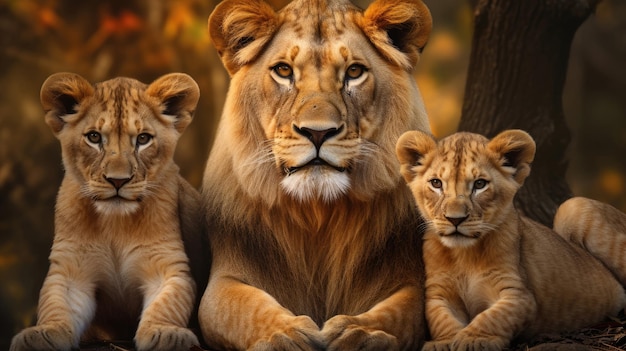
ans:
x=399 y=29
x=240 y=29
x=411 y=149
x=60 y=96
x=516 y=151
x=178 y=95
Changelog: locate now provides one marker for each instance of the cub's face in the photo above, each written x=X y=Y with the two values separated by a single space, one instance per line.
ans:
x=118 y=136
x=328 y=102
x=465 y=183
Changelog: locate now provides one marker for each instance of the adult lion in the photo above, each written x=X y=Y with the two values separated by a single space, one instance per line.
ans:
x=312 y=229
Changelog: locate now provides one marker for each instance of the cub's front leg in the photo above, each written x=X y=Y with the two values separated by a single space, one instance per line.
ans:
x=494 y=328
x=452 y=324
x=395 y=323
x=235 y=315
x=169 y=295
x=66 y=306
x=444 y=321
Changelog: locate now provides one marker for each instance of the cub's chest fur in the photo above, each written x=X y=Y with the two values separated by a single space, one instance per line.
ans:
x=473 y=274
x=477 y=293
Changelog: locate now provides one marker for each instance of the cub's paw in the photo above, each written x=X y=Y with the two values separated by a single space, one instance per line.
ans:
x=301 y=334
x=42 y=338
x=165 y=338
x=438 y=345
x=344 y=333
x=476 y=343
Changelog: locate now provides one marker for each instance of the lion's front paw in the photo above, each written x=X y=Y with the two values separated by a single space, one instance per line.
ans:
x=478 y=343
x=344 y=333
x=165 y=338
x=300 y=334
x=44 y=337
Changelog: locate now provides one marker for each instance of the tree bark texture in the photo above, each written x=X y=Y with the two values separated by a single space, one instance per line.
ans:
x=516 y=74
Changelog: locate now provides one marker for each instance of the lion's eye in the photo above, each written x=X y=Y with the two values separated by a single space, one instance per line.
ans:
x=93 y=137
x=480 y=184
x=436 y=183
x=354 y=71
x=143 y=138
x=283 y=70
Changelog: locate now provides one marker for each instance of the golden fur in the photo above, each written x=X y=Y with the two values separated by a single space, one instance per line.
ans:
x=312 y=229
x=117 y=262
x=492 y=274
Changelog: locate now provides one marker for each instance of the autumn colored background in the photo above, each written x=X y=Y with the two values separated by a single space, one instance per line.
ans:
x=145 y=39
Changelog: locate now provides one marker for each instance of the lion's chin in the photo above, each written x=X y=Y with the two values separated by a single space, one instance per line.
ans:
x=116 y=207
x=316 y=183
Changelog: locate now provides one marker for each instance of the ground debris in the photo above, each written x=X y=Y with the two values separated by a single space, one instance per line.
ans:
x=108 y=345
x=606 y=336
x=118 y=346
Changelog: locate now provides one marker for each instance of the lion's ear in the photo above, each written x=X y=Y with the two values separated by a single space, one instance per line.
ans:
x=399 y=29
x=60 y=95
x=178 y=95
x=411 y=149
x=516 y=151
x=240 y=29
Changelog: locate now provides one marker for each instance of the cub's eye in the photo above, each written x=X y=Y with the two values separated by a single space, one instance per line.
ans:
x=480 y=184
x=143 y=138
x=436 y=183
x=283 y=70
x=355 y=71
x=93 y=137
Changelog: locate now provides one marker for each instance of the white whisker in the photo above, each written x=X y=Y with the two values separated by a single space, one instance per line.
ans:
x=263 y=155
x=87 y=192
x=367 y=151
x=424 y=225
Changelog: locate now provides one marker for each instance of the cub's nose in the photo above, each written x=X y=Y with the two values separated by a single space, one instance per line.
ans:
x=117 y=182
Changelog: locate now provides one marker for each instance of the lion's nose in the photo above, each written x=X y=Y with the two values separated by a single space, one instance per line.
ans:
x=117 y=182
x=456 y=220
x=318 y=137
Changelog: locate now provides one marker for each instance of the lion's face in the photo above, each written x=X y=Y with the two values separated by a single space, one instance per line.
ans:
x=464 y=183
x=321 y=121
x=118 y=136
x=330 y=103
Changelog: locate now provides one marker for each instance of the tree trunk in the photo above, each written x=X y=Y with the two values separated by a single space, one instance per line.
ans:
x=516 y=74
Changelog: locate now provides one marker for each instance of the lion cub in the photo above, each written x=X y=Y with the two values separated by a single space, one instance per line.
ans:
x=118 y=263
x=492 y=274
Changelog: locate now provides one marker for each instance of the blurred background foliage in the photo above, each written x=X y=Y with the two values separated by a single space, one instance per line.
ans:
x=145 y=39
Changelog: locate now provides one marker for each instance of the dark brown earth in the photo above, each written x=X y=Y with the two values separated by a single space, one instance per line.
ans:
x=607 y=336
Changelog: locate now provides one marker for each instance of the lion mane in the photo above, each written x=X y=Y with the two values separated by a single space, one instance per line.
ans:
x=313 y=232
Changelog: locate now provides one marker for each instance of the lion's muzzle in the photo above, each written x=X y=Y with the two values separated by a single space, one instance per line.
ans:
x=316 y=136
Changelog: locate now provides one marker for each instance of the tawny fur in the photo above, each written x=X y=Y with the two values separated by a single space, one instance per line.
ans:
x=118 y=263
x=310 y=253
x=492 y=274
